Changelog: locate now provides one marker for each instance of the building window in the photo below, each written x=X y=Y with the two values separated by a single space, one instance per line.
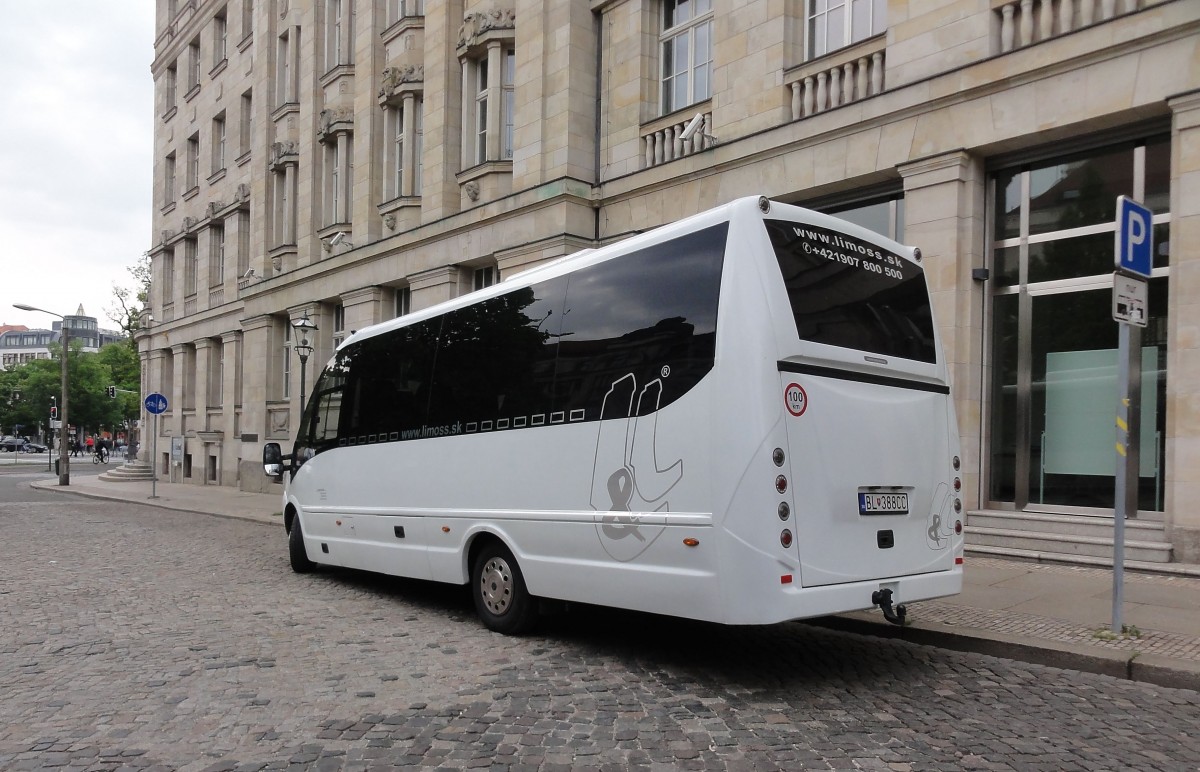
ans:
x=243 y=245
x=220 y=38
x=507 y=103
x=403 y=150
x=483 y=277
x=284 y=208
x=193 y=161
x=487 y=91
x=403 y=9
x=339 y=325
x=169 y=180
x=834 y=24
x=686 y=46
x=283 y=71
x=216 y=372
x=403 y=301
x=194 y=65
x=170 y=88
x=189 y=267
x=1054 y=348
x=338 y=173
x=247 y=18
x=286 y=370
x=338 y=23
x=245 y=122
x=216 y=257
x=218 y=143
x=168 y=277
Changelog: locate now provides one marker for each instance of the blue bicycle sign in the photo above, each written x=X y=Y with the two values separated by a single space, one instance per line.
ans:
x=156 y=403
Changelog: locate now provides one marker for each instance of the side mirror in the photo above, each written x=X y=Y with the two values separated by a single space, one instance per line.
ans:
x=272 y=460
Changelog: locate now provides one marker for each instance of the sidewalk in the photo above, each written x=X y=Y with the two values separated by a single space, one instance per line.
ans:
x=1050 y=614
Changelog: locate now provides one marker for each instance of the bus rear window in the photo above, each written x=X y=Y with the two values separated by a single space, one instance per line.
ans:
x=853 y=294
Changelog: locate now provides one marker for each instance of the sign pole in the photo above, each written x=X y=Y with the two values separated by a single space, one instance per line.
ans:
x=154 y=460
x=1133 y=258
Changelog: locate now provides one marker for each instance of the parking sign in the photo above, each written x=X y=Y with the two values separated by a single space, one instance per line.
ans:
x=1135 y=237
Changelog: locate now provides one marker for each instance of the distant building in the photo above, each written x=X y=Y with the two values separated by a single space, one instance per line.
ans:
x=19 y=344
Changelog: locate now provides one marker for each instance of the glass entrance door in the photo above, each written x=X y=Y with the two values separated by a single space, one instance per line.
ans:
x=1053 y=391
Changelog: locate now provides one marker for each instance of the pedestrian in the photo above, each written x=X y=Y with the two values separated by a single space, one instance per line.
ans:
x=91 y=444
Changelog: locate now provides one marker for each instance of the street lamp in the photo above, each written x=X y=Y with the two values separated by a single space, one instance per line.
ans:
x=64 y=457
x=304 y=349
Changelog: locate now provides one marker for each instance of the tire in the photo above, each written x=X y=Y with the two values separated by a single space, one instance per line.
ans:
x=501 y=599
x=297 y=554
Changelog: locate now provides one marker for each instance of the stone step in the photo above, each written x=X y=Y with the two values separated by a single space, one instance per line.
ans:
x=129 y=472
x=1065 y=544
x=1067 y=525
x=1171 y=569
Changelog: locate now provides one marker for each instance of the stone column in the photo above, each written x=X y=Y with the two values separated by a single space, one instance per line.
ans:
x=364 y=307
x=433 y=286
x=944 y=203
x=256 y=372
x=231 y=405
x=205 y=356
x=1183 y=333
x=180 y=355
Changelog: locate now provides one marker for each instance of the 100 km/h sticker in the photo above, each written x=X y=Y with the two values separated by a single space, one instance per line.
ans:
x=796 y=399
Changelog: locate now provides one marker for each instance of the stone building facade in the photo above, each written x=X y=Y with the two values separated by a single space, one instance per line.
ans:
x=352 y=161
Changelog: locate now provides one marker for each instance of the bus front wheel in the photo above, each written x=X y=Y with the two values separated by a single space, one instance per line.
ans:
x=296 y=551
x=501 y=599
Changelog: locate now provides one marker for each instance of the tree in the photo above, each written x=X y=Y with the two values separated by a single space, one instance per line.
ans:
x=132 y=302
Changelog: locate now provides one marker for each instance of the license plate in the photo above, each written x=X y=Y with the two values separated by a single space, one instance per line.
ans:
x=883 y=503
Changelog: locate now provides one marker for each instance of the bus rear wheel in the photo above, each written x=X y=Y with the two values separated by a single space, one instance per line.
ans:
x=297 y=554
x=501 y=599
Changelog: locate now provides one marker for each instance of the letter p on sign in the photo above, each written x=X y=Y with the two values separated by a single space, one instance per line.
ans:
x=1135 y=238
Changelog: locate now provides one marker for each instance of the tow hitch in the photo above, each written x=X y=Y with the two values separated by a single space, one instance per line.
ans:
x=883 y=599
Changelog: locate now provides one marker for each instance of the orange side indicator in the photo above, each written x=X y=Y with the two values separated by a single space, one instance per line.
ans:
x=689 y=541
x=337 y=522
x=445 y=529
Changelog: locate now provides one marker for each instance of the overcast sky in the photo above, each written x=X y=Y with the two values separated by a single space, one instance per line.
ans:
x=76 y=147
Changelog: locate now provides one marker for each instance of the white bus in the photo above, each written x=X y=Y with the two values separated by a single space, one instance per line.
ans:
x=742 y=417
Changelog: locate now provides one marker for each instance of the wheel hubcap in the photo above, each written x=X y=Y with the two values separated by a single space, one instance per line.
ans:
x=496 y=585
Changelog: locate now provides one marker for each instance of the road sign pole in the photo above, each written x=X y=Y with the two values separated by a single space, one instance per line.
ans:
x=154 y=459
x=1134 y=257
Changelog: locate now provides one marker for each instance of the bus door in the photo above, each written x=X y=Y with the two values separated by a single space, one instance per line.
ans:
x=869 y=426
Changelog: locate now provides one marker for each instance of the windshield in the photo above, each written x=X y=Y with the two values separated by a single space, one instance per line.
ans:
x=854 y=294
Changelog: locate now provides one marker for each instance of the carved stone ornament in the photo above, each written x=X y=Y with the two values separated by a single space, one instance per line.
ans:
x=214 y=207
x=472 y=189
x=392 y=78
x=282 y=154
x=475 y=25
x=279 y=421
x=277 y=264
x=332 y=121
x=243 y=192
x=189 y=223
x=167 y=235
x=389 y=220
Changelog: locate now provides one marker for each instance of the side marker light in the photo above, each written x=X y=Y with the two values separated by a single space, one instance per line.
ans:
x=691 y=542
x=958 y=561
x=785 y=579
x=445 y=529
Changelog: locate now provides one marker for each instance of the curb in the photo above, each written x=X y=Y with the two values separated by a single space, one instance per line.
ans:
x=162 y=502
x=1144 y=668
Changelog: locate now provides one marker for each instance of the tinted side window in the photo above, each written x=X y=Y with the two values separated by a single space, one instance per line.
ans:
x=495 y=362
x=650 y=314
x=850 y=293
x=389 y=384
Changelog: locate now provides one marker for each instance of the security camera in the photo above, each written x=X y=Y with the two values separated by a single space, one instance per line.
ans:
x=248 y=274
x=694 y=125
x=339 y=238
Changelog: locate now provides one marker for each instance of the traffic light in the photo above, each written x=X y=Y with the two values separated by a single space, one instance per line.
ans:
x=54 y=412
x=112 y=391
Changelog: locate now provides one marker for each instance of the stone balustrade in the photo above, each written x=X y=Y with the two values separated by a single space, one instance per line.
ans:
x=664 y=143
x=1024 y=22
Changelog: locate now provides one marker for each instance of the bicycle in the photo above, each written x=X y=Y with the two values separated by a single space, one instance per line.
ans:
x=100 y=456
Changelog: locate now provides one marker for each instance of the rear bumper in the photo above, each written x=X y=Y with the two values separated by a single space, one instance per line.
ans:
x=807 y=602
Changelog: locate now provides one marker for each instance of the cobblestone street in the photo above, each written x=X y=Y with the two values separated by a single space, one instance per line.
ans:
x=136 y=638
